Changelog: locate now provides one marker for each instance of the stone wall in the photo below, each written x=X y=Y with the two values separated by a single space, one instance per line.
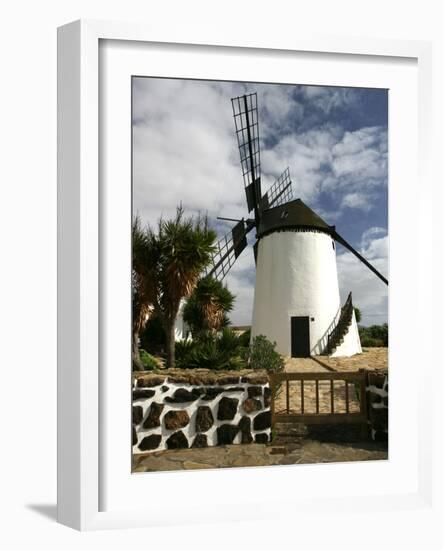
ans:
x=199 y=409
x=377 y=397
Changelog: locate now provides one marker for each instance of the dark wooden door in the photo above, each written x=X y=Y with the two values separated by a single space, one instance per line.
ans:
x=300 y=345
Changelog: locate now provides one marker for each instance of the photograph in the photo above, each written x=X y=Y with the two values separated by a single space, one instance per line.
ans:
x=260 y=264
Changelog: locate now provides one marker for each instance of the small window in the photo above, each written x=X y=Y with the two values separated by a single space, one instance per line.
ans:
x=333 y=245
x=284 y=214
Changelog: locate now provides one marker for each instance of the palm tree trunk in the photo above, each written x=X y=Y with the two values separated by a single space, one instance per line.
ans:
x=136 y=360
x=170 y=344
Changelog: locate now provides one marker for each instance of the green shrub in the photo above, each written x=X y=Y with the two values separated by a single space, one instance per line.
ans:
x=212 y=351
x=149 y=363
x=374 y=336
x=245 y=338
x=369 y=342
x=183 y=349
x=264 y=357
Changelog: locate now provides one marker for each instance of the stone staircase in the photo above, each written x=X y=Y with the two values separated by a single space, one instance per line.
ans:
x=338 y=333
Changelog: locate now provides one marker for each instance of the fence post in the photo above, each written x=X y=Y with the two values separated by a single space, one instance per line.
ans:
x=272 y=388
x=364 y=403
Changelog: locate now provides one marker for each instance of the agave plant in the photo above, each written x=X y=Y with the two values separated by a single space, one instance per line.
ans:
x=223 y=351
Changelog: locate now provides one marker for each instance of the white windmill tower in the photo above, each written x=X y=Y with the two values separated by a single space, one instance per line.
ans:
x=296 y=299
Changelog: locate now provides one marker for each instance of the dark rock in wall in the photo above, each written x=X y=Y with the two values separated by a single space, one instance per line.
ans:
x=182 y=395
x=379 y=418
x=255 y=391
x=153 y=418
x=227 y=407
x=200 y=441
x=137 y=414
x=150 y=381
x=376 y=379
x=176 y=419
x=381 y=436
x=236 y=389
x=226 y=434
x=374 y=399
x=262 y=421
x=134 y=435
x=244 y=426
x=204 y=419
x=251 y=405
x=211 y=393
x=255 y=379
x=198 y=391
x=267 y=396
x=177 y=441
x=261 y=438
x=142 y=394
x=150 y=442
x=164 y=388
x=224 y=380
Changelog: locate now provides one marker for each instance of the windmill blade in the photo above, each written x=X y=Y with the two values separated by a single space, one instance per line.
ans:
x=342 y=241
x=246 y=128
x=279 y=193
x=229 y=249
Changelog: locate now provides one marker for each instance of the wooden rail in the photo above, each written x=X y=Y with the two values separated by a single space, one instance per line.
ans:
x=333 y=416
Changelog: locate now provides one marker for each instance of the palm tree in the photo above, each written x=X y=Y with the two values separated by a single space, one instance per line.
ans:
x=207 y=308
x=172 y=262
x=144 y=258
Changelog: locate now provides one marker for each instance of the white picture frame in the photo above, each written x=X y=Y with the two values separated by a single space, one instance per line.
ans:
x=81 y=434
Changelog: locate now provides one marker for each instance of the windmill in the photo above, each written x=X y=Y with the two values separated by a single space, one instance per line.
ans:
x=296 y=297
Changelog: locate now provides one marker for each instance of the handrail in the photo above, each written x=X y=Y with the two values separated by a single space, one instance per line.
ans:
x=345 y=375
x=342 y=325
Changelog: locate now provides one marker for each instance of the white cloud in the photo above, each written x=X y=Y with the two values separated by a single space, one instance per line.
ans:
x=357 y=200
x=329 y=99
x=369 y=293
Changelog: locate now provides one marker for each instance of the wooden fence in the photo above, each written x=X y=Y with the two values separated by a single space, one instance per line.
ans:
x=286 y=380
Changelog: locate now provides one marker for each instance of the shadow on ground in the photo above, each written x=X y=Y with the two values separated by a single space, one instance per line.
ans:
x=49 y=511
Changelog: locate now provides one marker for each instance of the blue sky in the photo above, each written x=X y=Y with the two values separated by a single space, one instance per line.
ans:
x=334 y=140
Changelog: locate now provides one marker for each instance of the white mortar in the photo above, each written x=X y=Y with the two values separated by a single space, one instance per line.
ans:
x=191 y=409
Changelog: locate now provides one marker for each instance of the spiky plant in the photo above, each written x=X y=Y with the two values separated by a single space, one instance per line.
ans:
x=144 y=259
x=184 y=248
x=207 y=308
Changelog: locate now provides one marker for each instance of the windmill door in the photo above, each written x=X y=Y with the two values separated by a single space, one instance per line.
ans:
x=300 y=342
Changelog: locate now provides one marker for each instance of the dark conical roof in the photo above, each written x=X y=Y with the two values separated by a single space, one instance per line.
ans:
x=293 y=215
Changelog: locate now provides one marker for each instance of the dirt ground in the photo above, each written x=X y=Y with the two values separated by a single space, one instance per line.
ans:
x=371 y=358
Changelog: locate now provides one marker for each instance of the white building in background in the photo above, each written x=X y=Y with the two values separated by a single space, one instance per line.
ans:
x=182 y=330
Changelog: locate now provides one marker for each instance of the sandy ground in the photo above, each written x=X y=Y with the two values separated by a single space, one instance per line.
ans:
x=371 y=358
